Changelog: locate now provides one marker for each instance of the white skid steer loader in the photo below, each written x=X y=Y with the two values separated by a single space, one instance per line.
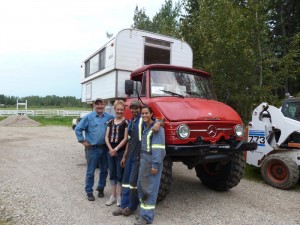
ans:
x=277 y=133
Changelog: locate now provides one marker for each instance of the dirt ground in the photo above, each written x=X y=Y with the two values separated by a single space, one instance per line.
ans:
x=42 y=171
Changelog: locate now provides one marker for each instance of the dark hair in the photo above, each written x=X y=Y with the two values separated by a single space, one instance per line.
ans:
x=147 y=107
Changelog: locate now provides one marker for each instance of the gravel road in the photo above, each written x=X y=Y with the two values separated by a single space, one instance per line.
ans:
x=42 y=171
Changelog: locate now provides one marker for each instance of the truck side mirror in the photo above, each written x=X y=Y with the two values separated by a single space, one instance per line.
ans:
x=128 y=87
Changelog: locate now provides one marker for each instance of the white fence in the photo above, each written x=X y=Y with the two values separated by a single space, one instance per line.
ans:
x=50 y=112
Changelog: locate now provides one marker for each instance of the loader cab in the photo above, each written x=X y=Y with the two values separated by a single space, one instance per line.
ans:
x=291 y=108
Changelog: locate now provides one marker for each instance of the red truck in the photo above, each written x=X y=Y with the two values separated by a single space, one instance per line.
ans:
x=200 y=132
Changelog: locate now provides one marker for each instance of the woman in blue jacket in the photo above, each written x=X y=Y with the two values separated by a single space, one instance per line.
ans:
x=151 y=166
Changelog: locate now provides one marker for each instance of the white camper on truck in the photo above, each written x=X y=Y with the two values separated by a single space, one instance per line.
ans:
x=105 y=71
x=204 y=134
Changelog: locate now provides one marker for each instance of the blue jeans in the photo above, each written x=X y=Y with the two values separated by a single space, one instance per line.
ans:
x=129 y=184
x=96 y=156
x=115 y=169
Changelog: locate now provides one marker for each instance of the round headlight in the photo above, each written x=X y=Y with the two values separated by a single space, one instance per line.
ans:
x=239 y=130
x=183 y=131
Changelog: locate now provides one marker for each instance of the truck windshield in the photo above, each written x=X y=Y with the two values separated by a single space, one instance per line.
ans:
x=181 y=84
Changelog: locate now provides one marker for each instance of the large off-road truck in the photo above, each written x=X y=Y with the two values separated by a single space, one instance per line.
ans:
x=157 y=70
x=200 y=132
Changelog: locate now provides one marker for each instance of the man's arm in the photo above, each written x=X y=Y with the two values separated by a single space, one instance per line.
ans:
x=157 y=125
x=81 y=126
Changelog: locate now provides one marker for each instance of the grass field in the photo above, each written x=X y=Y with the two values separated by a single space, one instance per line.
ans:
x=54 y=120
x=50 y=121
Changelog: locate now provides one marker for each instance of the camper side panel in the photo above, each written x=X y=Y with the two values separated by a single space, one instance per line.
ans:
x=102 y=87
x=129 y=50
x=181 y=54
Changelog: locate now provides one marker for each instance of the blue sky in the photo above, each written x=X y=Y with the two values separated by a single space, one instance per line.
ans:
x=43 y=42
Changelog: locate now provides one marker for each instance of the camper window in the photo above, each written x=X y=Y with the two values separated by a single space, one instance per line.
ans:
x=95 y=64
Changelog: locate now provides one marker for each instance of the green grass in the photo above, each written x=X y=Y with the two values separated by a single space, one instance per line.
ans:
x=252 y=173
x=50 y=120
x=54 y=120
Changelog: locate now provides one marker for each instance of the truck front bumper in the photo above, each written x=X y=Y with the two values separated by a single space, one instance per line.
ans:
x=209 y=149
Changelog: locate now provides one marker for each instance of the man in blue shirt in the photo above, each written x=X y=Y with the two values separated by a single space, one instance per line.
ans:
x=94 y=127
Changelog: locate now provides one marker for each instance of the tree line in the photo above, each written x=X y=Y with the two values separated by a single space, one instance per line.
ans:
x=251 y=47
x=47 y=101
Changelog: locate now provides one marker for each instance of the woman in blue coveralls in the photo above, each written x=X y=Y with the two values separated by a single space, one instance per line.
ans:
x=151 y=166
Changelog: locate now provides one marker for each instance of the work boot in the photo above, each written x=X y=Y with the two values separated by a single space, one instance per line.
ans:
x=111 y=201
x=90 y=197
x=118 y=212
x=140 y=221
x=127 y=212
x=100 y=193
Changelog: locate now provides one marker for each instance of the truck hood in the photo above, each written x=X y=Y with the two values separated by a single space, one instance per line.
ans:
x=197 y=110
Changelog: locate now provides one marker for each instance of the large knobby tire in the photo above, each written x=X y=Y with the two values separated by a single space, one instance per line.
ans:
x=166 y=179
x=222 y=176
x=280 y=171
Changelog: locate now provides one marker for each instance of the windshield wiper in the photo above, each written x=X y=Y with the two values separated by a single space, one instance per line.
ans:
x=193 y=93
x=173 y=93
x=197 y=94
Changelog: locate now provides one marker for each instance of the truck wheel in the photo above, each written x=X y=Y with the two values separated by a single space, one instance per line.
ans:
x=280 y=171
x=222 y=176
x=166 y=179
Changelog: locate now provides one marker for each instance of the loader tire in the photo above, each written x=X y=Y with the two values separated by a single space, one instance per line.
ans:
x=222 y=176
x=165 y=180
x=280 y=171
